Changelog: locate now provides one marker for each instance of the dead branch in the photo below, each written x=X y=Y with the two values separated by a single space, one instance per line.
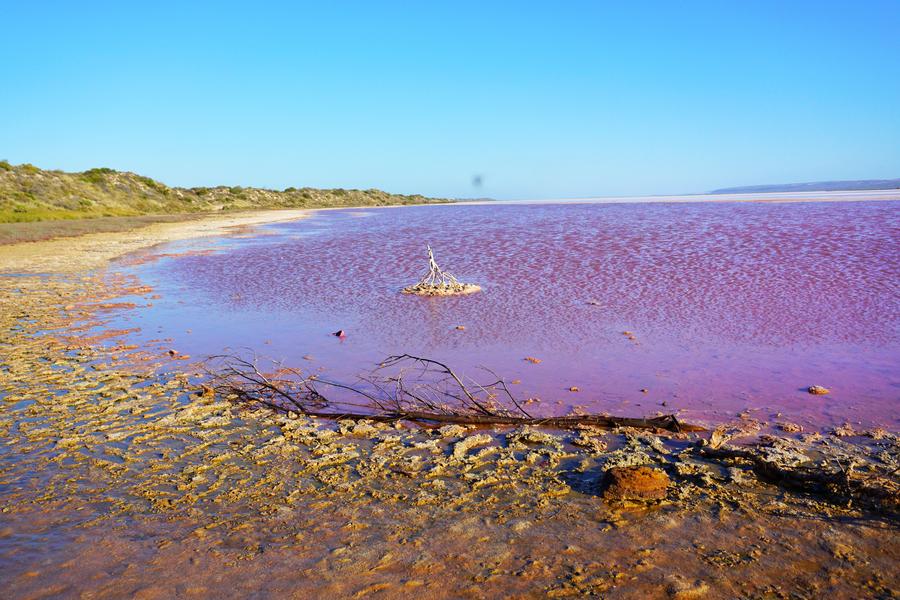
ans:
x=437 y=282
x=435 y=394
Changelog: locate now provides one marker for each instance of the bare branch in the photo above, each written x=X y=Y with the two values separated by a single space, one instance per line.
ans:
x=436 y=395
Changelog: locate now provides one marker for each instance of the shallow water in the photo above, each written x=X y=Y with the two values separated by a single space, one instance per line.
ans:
x=118 y=481
x=731 y=307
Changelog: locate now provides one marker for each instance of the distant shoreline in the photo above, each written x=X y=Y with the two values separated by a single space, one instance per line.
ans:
x=812 y=196
x=814 y=186
x=18 y=234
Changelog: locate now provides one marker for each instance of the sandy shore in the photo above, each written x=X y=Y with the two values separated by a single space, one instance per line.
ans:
x=91 y=251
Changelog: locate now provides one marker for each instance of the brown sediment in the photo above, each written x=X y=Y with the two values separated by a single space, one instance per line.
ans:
x=119 y=481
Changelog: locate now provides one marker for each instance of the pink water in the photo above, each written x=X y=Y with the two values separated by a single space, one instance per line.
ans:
x=733 y=307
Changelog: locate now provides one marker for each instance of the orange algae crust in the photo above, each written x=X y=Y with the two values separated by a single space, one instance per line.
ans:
x=635 y=483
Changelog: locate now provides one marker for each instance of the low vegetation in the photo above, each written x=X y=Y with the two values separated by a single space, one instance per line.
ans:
x=29 y=194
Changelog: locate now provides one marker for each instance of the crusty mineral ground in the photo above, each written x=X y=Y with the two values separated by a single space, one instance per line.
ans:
x=461 y=289
x=120 y=477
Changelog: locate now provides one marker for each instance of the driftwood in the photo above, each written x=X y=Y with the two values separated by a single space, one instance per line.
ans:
x=402 y=388
x=437 y=282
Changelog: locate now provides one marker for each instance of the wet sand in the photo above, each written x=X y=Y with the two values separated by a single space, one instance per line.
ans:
x=121 y=477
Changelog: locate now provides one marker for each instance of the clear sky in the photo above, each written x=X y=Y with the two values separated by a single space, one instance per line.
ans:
x=552 y=99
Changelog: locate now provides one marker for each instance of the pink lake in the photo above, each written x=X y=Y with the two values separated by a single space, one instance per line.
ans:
x=733 y=307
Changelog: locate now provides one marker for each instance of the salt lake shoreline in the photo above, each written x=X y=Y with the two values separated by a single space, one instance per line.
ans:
x=147 y=454
x=24 y=256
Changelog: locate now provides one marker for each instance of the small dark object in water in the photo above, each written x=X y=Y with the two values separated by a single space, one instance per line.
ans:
x=339 y=333
x=817 y=390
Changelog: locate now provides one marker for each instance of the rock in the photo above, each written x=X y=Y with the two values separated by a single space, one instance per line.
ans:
x=845 y=430
x=532 y=360
x=635 y=483
x=817 y=390
x=339 y=333
x=573 y=389
x=877 y=434
x=790 y=427
x=585 y=440
x=460 y=327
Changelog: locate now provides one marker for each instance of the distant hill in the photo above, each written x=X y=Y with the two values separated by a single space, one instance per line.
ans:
x=28 y=193
x=815 y=186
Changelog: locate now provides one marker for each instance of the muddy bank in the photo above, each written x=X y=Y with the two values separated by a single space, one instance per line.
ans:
x=120 y=477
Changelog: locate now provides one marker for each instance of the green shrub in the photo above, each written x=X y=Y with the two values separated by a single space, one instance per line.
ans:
x=96 y=175
x=152 y=184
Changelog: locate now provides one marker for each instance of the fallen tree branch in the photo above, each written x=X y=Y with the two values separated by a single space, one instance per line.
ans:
x=436 y=395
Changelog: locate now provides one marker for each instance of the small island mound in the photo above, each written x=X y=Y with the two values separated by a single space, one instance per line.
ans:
x=437 y=282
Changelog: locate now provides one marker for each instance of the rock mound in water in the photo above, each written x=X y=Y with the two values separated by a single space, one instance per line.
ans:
x=817 y=390
x=630 y=484
x=437 y=282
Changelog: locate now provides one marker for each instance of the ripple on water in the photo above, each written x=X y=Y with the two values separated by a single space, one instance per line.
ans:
x=728 y=306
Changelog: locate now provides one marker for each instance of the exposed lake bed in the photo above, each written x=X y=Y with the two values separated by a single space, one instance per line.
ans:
x=114 y=453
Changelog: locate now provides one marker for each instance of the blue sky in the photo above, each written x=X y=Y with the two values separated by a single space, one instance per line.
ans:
x=555 y=99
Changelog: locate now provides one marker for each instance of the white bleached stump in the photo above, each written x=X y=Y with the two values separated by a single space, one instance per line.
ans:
x=437 y=282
